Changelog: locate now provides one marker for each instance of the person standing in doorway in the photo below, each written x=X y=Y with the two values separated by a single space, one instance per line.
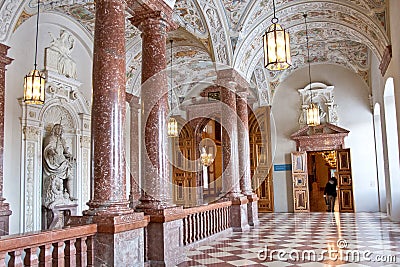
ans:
x=330 y=194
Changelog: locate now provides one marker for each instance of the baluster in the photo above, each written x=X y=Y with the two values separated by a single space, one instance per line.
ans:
x=215 y=221
x=90 y=251
x=207 y=223
x=58 y=254
x=225 y=218
x=16 y=258
x=193 y=234
x=184 y=231
x=31 y=258
x=229 y=216
x=187 y=239
x=45 y=256
x=81 y=252
x=201 y=225
x=196 y=227
x=70 y=253
x=3 y=258
x=220 y=220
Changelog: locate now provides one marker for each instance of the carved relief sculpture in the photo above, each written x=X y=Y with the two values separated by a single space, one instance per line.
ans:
x=58 y=55
x=57 y=170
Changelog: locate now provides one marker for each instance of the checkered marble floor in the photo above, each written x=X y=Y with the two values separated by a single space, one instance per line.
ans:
x=307 y=239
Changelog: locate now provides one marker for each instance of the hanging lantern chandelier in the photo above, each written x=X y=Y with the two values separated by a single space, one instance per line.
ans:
x=313 y=118
x=276 y=46
x=34 y=81
x=206 y=158
x=172 y=123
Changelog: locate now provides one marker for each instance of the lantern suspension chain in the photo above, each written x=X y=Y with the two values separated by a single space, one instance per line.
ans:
x=274 y=19
x=37 y=33
x=308 y=54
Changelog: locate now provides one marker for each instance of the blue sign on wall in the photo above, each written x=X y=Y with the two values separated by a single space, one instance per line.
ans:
x=282 y=167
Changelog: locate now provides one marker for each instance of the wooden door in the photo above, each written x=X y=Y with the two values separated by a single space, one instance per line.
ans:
x=300 y=182
x=345 y=181
x=261 y=159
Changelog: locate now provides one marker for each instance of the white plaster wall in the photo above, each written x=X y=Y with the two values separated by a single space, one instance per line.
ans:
x=351 y=95
x=22 y=43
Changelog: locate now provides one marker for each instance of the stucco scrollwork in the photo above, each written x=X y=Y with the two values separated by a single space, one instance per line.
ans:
x=7 y=12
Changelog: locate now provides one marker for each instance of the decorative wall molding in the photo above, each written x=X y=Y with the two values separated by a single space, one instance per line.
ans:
x=323 y=96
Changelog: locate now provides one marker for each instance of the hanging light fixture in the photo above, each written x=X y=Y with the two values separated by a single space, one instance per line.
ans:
x=34 y=80
x=206 y=158
x=313 y=118
x=172 y=123
x=276 y=46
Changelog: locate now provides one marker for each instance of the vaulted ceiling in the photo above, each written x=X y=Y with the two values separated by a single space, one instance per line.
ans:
x=342 y=32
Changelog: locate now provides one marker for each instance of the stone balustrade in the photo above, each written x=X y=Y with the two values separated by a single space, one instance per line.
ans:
x=71 y=246
x=204 y=221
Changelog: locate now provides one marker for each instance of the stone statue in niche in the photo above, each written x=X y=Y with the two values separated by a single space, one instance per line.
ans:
x=58 y=165
x=64 y=45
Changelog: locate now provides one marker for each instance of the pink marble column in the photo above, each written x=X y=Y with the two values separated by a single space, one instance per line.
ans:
x=244 y=158
x=108 y=111
x=5 y=211
x=229 y=80
x=244 y=143
x=156 y=184
x=230 y=158
x=134 y=193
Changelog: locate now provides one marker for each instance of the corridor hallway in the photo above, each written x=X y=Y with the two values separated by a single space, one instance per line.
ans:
x=294 y=237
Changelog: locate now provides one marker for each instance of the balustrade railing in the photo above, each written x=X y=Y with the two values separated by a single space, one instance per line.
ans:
x=72 y=246
x=204 y=221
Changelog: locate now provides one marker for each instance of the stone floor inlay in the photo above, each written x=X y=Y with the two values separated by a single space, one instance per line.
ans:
x=307 y=239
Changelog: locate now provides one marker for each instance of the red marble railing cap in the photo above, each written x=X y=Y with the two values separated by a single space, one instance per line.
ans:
x=113 y=224
x=253 y=197
x=166 y=214
x=212 y=206
x=35 y=239
x=239 y=200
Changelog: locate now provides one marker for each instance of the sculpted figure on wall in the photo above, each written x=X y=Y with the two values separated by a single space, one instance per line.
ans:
x=57 y=169
x=64 y=45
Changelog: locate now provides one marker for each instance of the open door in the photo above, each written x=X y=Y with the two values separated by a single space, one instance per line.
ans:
x=300 y=182
x=345 y=181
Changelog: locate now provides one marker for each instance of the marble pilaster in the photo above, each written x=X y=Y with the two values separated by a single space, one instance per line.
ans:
x=244 y=158
x=134 y=194
x=5 y=211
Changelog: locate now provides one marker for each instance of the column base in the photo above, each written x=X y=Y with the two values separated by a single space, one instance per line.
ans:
x=239 y=213
x=164 y=237
x=252 y=210
x=119 y=240
x=5 y=213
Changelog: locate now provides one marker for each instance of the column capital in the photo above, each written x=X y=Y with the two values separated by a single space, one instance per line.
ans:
x=150 y=13
x=232 y=80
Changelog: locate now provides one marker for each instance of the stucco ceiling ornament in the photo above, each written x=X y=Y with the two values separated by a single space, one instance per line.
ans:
x=220 y=43
x=348 y=23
